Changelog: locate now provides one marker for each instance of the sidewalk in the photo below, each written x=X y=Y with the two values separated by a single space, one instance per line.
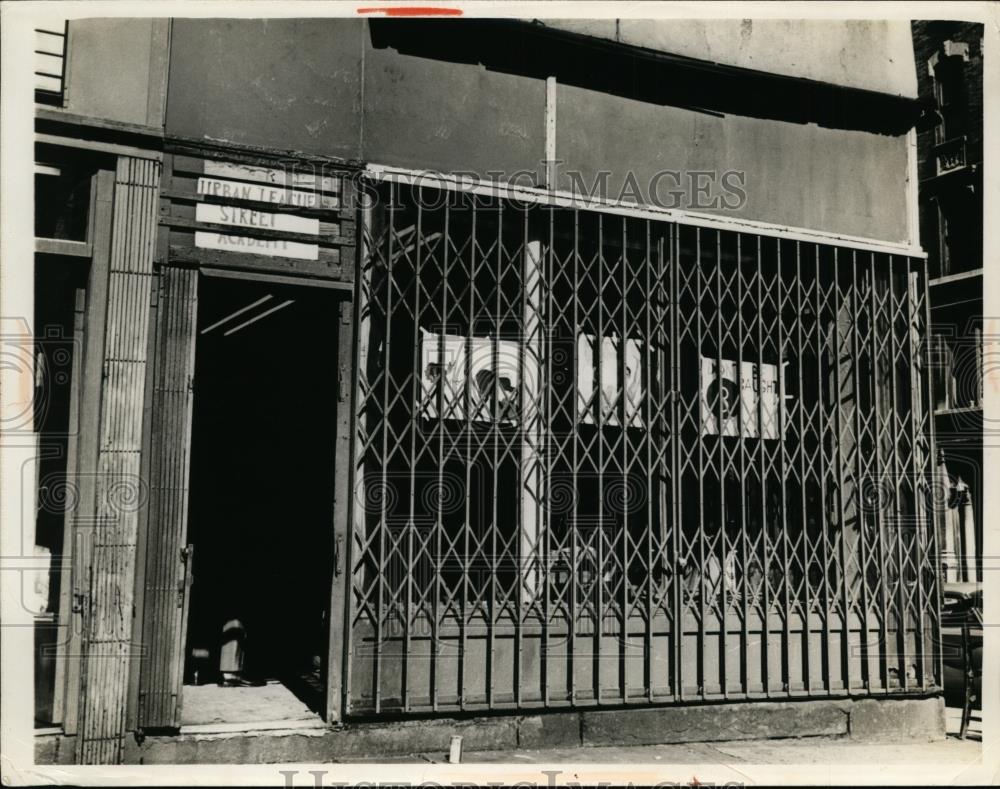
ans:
x=811 y=750
x=818 y=750
x=806 y=751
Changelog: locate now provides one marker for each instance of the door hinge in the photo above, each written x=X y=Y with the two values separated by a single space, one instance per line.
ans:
x=342 y=382
x=78 y=602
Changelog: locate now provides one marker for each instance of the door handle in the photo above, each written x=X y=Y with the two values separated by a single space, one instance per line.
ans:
x=186 y=580
x=337 y=545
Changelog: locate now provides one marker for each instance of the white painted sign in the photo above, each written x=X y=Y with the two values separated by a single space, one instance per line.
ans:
x=258 y=246
x=586 y=373
x=248 y=217
x=739 y=398
x=264 y=193
x=291 y=177
x=494 y=368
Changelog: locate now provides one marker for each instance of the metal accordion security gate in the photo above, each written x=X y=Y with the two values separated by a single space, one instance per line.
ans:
x=603 y=459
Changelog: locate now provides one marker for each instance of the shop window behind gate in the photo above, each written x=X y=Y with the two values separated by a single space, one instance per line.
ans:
x=606 y=458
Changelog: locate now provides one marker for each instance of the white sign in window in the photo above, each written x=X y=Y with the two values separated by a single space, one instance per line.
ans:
x=613 y=398
x=491 y=367
x=742 y=398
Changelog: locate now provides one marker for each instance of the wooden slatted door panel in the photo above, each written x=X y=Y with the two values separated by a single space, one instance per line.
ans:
x=168 y=558
x=341 y=511
x=81 y=515
x=118 y=491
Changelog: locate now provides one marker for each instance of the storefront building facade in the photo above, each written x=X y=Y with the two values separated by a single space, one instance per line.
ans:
x=418 y=348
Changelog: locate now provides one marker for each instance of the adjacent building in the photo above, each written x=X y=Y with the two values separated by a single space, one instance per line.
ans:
x=949 y=60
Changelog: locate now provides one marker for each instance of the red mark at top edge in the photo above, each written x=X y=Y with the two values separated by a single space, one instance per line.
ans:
x=412 y=10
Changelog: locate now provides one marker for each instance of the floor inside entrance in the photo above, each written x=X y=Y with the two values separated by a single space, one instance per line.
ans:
x=261 y=497
x=272 y=704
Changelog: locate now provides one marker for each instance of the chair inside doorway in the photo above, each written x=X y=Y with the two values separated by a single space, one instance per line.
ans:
x=260 y=531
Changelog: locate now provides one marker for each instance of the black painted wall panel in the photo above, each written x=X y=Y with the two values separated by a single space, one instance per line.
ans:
x=289 y=84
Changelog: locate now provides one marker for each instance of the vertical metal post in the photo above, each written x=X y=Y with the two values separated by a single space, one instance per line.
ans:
x=600 y=424
x=899 y=525
x=672 y=396
x=785 y=461
x=842 y=525
x=721 y=525
x=412 y=428
x=763 y=470
x=549 y=324
x=463 y=690
x=932 y=539
x=804 y=523
x=917 y=464
x=822 y=505
x=362 y=404
x=877 y=396
x=494 y=433
x=652 y=489
x=700 y=535
x=626 y=423
x=382 y=575
x=578 y=418
x=442 y=404
x=741 y=444
x=859 y=455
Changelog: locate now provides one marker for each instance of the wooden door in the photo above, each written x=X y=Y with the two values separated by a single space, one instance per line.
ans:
x=341 y=511
x=167 y=571
x=110 y=491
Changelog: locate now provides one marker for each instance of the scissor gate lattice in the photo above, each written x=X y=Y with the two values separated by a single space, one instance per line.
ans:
x=611 y=460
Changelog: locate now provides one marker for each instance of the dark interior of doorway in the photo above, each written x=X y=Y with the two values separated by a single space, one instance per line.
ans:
x=261 y=486
x=59 y=288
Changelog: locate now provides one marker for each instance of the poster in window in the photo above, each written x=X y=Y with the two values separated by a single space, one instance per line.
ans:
x=613 y=399
x=740 y=399
x=493 y=367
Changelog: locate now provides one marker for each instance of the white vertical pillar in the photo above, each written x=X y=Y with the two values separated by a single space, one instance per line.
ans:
x=949 y=558
x=531 y=427
x=912 y=197
x=550 y=133
x=968 y=520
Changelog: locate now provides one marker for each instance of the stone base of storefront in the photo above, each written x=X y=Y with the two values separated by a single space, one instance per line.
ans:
x=868 y=720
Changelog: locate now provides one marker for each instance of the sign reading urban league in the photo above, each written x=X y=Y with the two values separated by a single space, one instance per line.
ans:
x=229 y=182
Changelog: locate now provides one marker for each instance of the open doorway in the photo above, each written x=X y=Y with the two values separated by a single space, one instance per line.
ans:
x=261 y=503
